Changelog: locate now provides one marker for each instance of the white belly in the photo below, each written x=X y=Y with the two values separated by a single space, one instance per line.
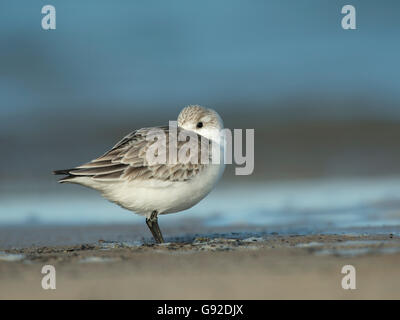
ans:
x=143 y=197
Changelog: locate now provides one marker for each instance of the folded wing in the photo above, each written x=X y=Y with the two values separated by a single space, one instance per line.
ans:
x=127 y=160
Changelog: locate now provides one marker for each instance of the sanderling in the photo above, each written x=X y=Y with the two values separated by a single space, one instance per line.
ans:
x=124 y=175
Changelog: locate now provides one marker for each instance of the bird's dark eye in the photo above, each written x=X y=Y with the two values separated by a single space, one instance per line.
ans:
x=199 y=125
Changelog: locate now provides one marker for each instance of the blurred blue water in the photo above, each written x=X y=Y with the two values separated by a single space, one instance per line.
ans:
x=313 y=204
x=171 y=53
x=137 y=59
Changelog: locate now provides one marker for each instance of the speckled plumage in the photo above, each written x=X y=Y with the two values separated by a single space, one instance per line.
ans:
x=127 y=160
x=124 y=176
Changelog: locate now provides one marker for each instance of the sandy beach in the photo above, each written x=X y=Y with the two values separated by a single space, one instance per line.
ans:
x=216 y=264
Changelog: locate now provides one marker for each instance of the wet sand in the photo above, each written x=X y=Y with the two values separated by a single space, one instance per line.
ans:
x=217 y=264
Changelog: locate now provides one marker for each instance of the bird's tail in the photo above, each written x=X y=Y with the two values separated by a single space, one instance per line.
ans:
x=66 y=172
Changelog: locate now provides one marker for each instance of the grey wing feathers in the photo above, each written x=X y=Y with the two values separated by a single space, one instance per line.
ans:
x=127 y=161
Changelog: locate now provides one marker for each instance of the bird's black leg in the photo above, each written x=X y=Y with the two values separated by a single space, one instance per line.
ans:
x=152 y=223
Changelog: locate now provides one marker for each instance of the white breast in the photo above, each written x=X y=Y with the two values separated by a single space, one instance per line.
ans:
x=143 y=197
